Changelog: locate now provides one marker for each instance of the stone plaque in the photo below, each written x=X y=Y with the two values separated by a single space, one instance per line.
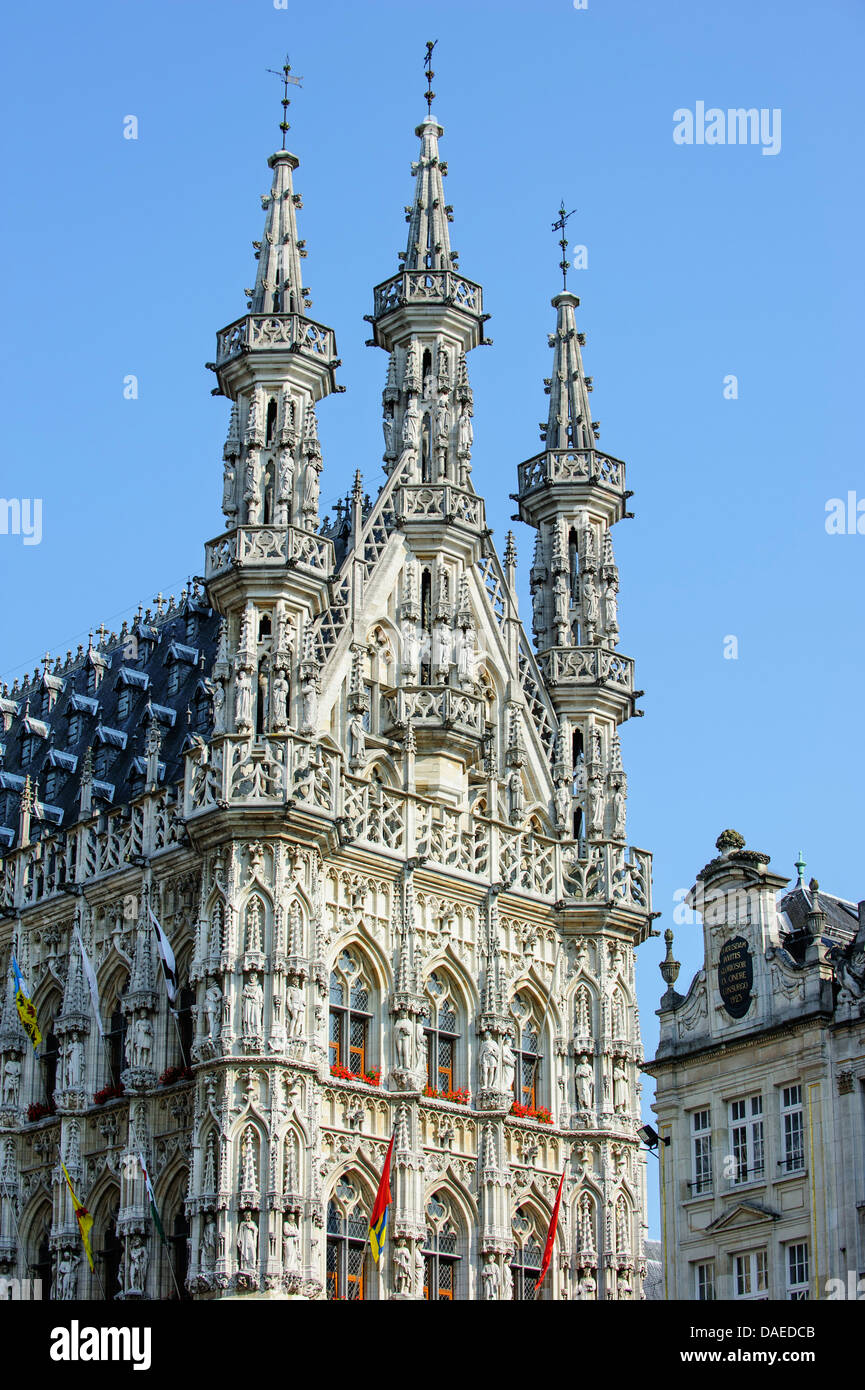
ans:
x=735 y=976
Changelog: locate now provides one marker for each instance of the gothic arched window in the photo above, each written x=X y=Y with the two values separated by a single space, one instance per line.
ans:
x=50 y=1058
x=179 y=1254
x=347 y=1238
x=426 y=626
x=441 y=1029
x=528 y=1256
x=350 y=1015
x=185 y=1024
x=109 y=1253
x=40 y=1265
x=441 y=1250
x=528 y=1051
x=115 y=1038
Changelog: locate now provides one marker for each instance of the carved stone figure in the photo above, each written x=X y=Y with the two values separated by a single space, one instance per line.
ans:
x=279 y=702
x=356 y=740
x=311 y=487
x=253 y=1005
x=208 y=1243
x=212 y=1011
x=509 y=1063
x=402 y=1268
x=591 y=607
x=295 y=1010
x=218 y=707
x=247 y=1245
x=620 y=809
x=403 y=1033
x=490 y=1278
x=67 y=1274
x=74 y=1062
x=584 y=1074
x=388 y=427
x=620 y=1085
x=11 y=1081
x=229 y=479
x=138 y=1262
x=507 y=1283
x=243 y=700
x=489 y=1060
x=309 y=699
x=290 y=1245
x=139 y=1043
x=611 y=610
x=465 y=433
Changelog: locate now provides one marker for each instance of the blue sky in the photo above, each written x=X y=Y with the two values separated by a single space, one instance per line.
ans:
x=125 y=257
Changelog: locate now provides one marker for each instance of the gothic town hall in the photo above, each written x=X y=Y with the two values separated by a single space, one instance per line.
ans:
x=383 y=830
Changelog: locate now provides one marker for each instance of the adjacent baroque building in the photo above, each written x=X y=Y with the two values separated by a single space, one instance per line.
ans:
x=384 y=832
x=760 y=1076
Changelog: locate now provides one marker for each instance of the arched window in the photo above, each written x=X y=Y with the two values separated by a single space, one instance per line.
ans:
x=179 y=1254
x=185 y=1025
x=270 y=427
x=350 y=1015
x=426 y=626
x=441 y=1250
x=115 y=1038
x=528 y=1256
x=40 y=1267
x=527 y=1048
x=347 y=1243
x=110 y=1254
x=441 y=1029
x=50 y=1058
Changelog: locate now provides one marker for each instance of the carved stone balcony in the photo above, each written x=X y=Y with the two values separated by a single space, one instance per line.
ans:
x=432 y=708
x=428 y=287
x=582 y=473
x=266 y=332
x=440 y=502
x=592 y=666
x=269 y=545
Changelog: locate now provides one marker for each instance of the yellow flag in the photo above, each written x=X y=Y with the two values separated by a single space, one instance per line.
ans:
x=82 y=1215
x=26 y=1008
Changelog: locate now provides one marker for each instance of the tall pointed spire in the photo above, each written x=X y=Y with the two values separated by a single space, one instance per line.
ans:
x=278 y=281
x=429 y=244
x=569 y=423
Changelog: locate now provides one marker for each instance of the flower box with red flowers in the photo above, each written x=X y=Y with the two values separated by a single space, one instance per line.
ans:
x=109 y=1093
x=458 y=1097
x=532 y=1112
x=372 y=1078
x=172 y=1075
x=39 y=1110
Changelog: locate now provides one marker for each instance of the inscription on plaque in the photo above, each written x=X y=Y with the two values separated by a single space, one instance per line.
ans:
x=735 y=976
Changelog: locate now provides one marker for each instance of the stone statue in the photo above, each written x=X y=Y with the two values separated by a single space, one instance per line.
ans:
x=561 y=600
x=138 y=1262
x=490 y=1278
x=229 y=478
x=243 y=700
x=253 y=1005
x=620 y=1085
x=67 y=1274
x=309 y=699
x=208 y=1243
x=466 y=658
x=562 y=805
x=508 y=1283
x=585 y=1079
x=279 y=708
x=620 y=808
x=11 y=1081
x=465 y=433
x=443 y=643
x=611 y=609
x=404 y=1038
x=218 y=708
x=251 y=492
x=509 y=1063
x=410 y=435
x=286 y=474
x=74 y=1062
x=489 y=1060
x=142 y=1042
x=419 y=1269
x=212 y=1011
x=290 y=1245
x=596 y=813
x=388 y=427
x=311 y=487
x=402 y=1268
x=591 y=608
x=247 y=1244
x=295 y=1008
x=356 y=740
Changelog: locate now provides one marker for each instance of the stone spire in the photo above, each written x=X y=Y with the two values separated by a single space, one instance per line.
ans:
x=569 y=424
x=278 y=281
x=429 y=245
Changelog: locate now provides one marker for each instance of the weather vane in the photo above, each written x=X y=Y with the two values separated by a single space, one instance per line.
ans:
x=287 y=78
x=429 y=74
x=559 y=226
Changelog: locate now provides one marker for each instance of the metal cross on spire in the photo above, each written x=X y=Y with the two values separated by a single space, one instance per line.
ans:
x=287 y=78
x=429 y=74
x=559 y=226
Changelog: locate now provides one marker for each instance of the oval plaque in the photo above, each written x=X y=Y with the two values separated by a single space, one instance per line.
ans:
x=735 y=976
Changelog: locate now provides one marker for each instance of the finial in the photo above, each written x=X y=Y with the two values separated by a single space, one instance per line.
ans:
x=800 y=869
x=559 y=226
x=429 y=74
x=286 y=78
x=669 y=966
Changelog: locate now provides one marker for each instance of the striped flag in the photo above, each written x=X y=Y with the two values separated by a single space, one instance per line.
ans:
x=154 y=1210
x=169 y=969
x=90 y=976
x=551 y=1234
x=378 y=1220
x=26 y=1008
x=82 y=1216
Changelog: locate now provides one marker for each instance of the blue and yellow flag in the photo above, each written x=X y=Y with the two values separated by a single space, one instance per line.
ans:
x=26 y=1009
x=378 y=1220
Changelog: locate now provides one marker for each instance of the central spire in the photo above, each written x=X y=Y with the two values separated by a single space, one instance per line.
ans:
x=429 y=244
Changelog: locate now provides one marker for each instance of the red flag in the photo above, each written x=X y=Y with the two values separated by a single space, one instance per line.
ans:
x=378 y=1220
x=551 y=1234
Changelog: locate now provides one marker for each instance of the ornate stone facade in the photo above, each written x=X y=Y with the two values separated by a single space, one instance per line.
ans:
x=760 y=1072
x=385 y=838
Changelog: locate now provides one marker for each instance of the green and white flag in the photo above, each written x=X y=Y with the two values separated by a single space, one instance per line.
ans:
x=157 y=1220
